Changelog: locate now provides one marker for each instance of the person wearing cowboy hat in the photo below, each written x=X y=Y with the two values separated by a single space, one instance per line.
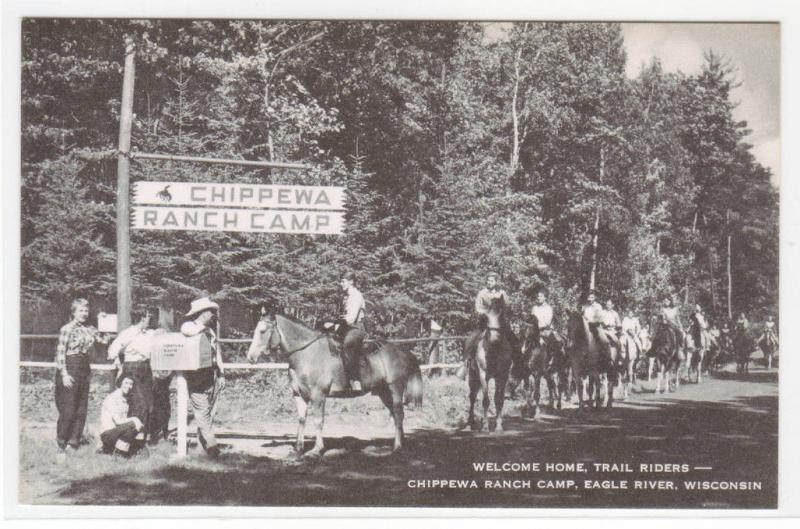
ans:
x=205 y=384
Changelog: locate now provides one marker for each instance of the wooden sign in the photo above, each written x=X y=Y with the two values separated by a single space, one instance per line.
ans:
x=175 y=352
x=238 y=220
x=327 y=198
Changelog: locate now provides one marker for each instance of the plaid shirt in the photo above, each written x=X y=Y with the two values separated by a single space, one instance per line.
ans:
x=74 y=338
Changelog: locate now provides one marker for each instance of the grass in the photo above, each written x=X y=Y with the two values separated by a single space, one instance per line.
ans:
x=250 y=401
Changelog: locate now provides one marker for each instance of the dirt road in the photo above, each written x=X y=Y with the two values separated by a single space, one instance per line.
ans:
x=722 y=433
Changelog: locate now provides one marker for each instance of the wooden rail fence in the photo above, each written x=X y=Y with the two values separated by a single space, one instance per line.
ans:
x=269 y=366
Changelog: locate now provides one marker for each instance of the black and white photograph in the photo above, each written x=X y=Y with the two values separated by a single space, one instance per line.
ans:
x=276 y=262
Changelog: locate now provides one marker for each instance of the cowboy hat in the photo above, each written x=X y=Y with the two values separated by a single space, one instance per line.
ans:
x=199 y=305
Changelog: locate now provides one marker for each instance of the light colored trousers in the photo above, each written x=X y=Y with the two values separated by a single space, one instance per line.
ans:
x=204 y=406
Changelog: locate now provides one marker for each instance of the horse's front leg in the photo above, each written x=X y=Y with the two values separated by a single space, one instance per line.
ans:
x=474 y=387
x=397 y=415
x=485 y=392
x=499 y=400
x=302 y=413
x=659 y=377
x=700 y=365
x=537 y=391
x=551 y=390
x=319 y=416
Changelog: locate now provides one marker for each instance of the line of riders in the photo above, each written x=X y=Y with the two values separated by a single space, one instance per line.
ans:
x=385 y=370
x=625 y=334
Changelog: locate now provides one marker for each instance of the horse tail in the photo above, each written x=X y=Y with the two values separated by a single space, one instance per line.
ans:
x=413 y=393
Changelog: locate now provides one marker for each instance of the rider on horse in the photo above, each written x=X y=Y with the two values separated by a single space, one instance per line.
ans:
x=352 y=328
x=483 y=302
x=544 y=318
x=543 y=312
x=669 y=313
x=770 y=337
x=699 y=328
x=485 y=296
x=592 y=312
x=632 y=329
x=610 y=323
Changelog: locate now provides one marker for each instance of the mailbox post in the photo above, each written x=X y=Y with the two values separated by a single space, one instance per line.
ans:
x=175 y=352
x=183 y=413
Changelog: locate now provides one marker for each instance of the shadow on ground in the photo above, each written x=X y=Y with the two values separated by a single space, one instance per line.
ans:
x=737 y=438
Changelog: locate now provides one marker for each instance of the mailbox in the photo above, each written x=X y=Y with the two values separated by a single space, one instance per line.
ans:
x=175 y=352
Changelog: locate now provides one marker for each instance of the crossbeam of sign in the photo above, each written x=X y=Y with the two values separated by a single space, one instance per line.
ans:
x=200 y=206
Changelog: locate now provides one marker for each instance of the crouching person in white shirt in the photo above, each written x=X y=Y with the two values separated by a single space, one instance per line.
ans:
x=118 y=431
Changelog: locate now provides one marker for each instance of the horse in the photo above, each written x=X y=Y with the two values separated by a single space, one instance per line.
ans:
x=543 y=359
x=724 y=349
x=629 y=356
x=667 y=349
x=316 y=373
x=697 y=359
x=768 y=345
x=489 y=356
x=743 y=347
x=589 y=361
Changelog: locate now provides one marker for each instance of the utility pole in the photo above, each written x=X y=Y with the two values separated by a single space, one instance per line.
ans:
x=123 y=190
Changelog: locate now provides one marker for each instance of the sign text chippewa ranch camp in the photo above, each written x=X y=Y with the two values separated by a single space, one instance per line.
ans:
x=238 y=207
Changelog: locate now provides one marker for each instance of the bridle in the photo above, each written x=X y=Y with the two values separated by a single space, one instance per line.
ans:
x=272 y=327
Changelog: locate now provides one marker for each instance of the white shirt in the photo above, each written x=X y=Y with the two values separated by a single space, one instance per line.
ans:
x=630 y=325
x=610 y=318
x=134 y=341
x=114 y=411
x=544 y=315
x=353 y=306
x=435 y=325
x=593 y=312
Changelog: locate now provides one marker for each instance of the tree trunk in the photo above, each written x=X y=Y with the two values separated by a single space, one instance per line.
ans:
x=728 y=265
x=515 y=116
x=711 y=280
x=596 y=232
x=730 y=280
x=694 y=229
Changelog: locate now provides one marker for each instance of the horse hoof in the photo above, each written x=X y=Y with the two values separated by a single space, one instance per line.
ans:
x=313 y=455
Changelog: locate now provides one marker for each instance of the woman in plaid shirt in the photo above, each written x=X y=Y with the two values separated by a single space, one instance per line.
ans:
x=73 y=375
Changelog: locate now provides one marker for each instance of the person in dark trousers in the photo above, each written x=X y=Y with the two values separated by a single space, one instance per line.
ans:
x=118 y=430
x=162 y=406
x=352 y=328
x=73 y=375
x=134 y=344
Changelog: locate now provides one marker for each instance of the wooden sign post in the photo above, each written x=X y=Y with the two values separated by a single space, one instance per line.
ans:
x=123 y=190
x=183 y=413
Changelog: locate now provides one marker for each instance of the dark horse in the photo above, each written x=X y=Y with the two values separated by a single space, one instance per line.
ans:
x=489 y=356
x=590 y=359
x=667 y=349
x=316 y=373
x=544 y=358
x=743 y=346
